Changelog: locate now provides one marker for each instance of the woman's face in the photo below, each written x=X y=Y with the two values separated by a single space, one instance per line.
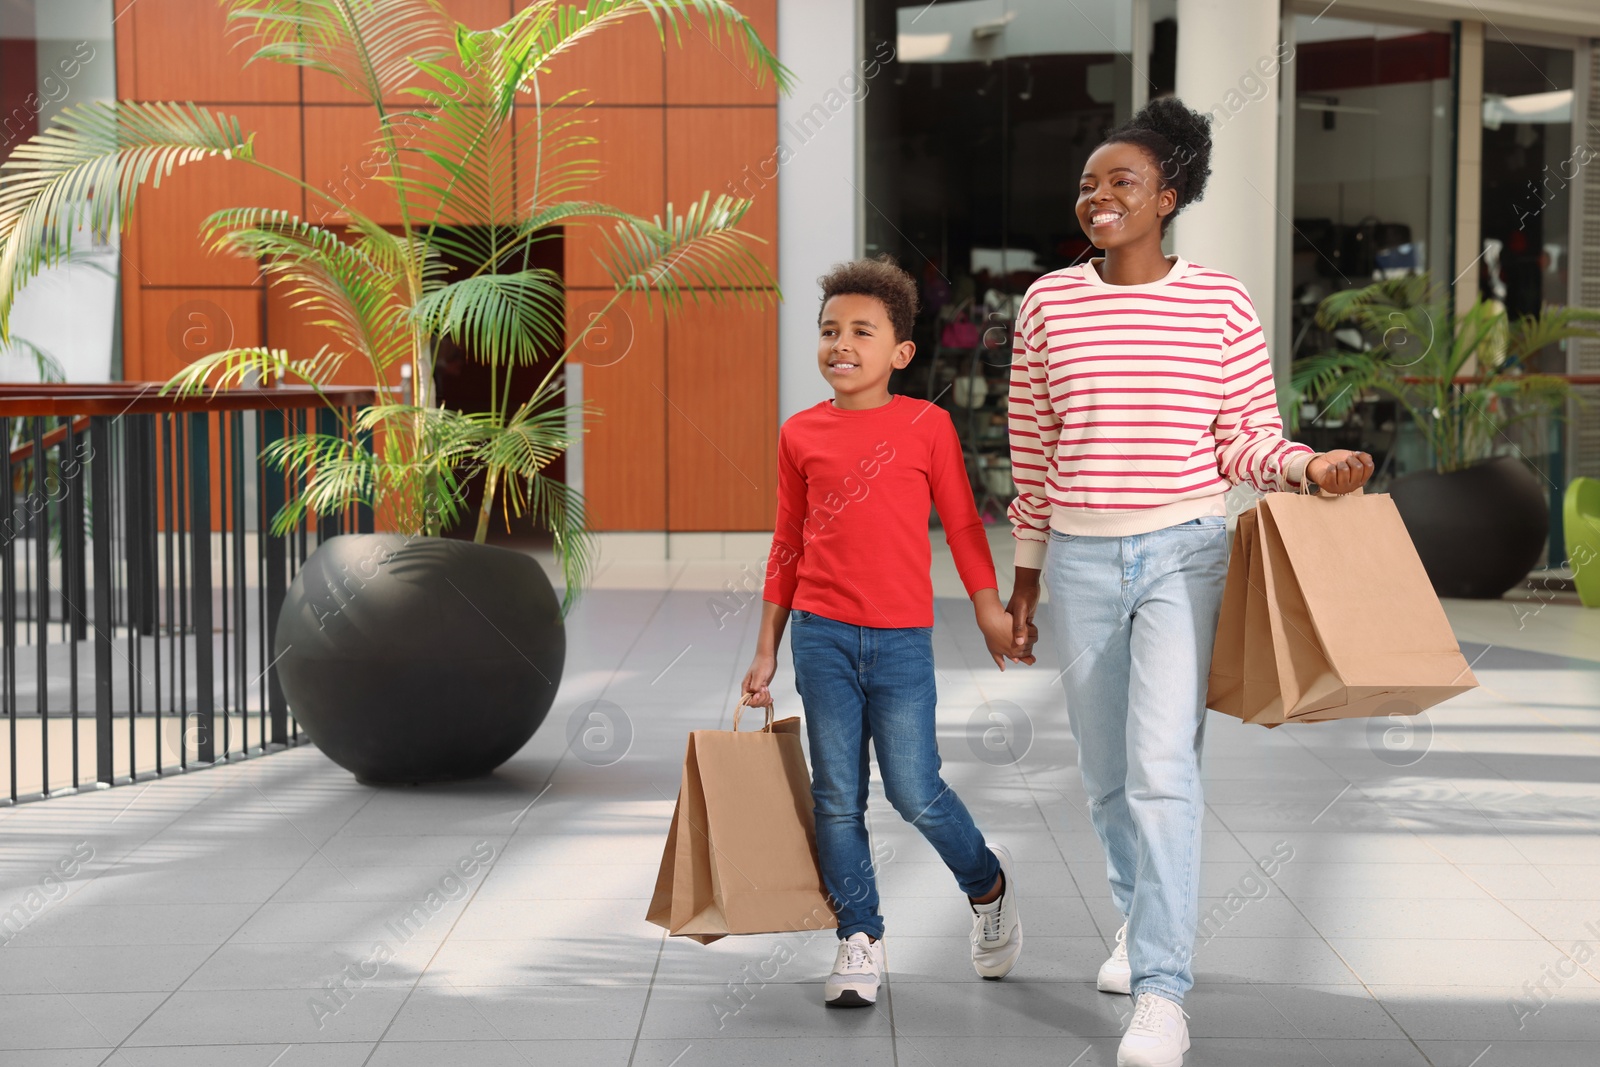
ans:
x=1122 y=197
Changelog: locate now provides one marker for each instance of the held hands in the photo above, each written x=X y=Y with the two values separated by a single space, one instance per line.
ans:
x=1002 y=637
x=1339 y=471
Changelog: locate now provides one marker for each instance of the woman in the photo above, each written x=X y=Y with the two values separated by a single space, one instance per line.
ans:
x=1141 y=390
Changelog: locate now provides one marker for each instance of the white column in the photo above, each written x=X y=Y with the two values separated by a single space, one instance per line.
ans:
x=819 y=168
x=1229 y=64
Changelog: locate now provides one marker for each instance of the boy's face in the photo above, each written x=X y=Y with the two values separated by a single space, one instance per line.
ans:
x=856 y=349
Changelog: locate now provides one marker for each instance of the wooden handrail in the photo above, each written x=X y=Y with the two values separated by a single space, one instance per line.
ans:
x=120 y=398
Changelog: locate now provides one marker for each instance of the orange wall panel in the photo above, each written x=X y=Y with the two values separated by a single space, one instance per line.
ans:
x=709 y=148
x=321 y=88
x=622 y=63
x=180 y=325
x=346 y=160
x=722 y=412
x=630 y=160
x=707 y=72
x=185 y=50
x=169 y=218
x=624 y=449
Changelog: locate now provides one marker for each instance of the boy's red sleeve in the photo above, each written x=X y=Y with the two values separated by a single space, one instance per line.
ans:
x=958 y=512
x=788 y=535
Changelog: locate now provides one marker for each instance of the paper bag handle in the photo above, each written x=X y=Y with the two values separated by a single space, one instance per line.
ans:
x=744 y=701
x=1306 y=483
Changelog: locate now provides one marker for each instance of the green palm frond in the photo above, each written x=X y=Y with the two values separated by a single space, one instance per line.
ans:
x=698 y=252
x=370 y=46
x=44 y=362
x=498 y=318
x=550 y=28
x=85 y=170
x=253 y=365
x=336 y=282
x=1552 y=325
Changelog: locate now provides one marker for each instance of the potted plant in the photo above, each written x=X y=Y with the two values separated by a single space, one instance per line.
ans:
x=1480 y=516
x=407 y=656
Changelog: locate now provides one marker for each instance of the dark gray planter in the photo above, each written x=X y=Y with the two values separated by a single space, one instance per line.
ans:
x=419 y=659
x=1479 y=531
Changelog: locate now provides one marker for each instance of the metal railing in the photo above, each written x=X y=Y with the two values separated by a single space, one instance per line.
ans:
x=139 y=579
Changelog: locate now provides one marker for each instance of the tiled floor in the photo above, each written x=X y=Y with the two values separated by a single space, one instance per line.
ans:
x=1439 y=904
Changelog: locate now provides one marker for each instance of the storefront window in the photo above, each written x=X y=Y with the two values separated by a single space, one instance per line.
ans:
x=1374 y=162
x=56 y=54
x=975 y=134
x=1529 y=163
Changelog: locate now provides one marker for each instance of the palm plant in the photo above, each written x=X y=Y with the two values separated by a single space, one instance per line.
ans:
x=1424 y=357
x=386 y=293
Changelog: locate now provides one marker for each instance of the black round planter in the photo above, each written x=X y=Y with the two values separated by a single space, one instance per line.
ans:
x=419 y=659
x=1479 y=531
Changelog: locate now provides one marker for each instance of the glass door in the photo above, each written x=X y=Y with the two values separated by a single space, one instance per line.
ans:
x=975 y=133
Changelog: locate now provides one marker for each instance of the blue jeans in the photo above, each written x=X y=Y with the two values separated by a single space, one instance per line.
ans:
x=1134 y=619
x=859 y=683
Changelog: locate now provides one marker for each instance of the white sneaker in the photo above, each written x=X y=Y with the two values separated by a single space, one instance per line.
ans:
x=857 y=972
x=1115 y=974
x=997 y=926
x=1158 y=1036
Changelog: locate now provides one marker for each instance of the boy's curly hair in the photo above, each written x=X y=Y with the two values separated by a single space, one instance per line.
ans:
x=882 y=278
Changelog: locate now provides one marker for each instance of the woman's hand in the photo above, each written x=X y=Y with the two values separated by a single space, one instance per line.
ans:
x=758 y=678
x=1339 y=471
x=1024 y=602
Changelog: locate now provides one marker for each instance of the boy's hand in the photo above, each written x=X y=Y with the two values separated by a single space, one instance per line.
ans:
x=758 y=678
x=995 y=623
x=1339 y=471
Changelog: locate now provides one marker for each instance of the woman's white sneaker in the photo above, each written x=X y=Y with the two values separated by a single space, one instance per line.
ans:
x=997 y=926
x=1158 y=1035
x=1115 y=974
x=857 y=973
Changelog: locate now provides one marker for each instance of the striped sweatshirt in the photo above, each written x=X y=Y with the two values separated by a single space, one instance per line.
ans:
x=1135 y=407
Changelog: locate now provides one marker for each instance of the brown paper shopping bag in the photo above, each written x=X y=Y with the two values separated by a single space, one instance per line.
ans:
x=741 y=855
x=1327 y=613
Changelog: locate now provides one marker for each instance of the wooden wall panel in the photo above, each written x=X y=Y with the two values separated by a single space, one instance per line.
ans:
x=630 y=158
x=722 y=417
x=703 y=72
x=169 y=219
x=180 y=325
x=323 y=88
x=290 y=328
x=345 y=159
x=626 y=481
x=623 y=63
x=709 y=148
x=184 y=50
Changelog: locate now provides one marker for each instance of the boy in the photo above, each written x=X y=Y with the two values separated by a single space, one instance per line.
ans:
x=850 y=565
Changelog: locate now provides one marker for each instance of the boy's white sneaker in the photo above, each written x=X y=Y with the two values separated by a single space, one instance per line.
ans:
x=1116 y=976
x=1158 y=1035
x=997 y=925
x=857 y=973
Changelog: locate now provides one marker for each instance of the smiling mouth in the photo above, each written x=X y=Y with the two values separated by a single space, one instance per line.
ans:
x=843 y=365
x=1104 y=218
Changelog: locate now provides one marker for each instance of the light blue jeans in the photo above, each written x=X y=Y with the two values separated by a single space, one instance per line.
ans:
x=1134 y=619
x=861 y=683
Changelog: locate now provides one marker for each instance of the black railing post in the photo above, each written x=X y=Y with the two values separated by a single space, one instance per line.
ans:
x=200 y=590
x=8 y=588
x=41 y=610
x=327 y=525
x=100 y=524
x=276 y=550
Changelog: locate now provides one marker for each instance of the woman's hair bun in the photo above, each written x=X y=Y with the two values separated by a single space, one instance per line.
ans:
x=1178 y=139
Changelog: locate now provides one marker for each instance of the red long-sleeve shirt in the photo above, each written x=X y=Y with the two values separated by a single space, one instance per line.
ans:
x=854 y=488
